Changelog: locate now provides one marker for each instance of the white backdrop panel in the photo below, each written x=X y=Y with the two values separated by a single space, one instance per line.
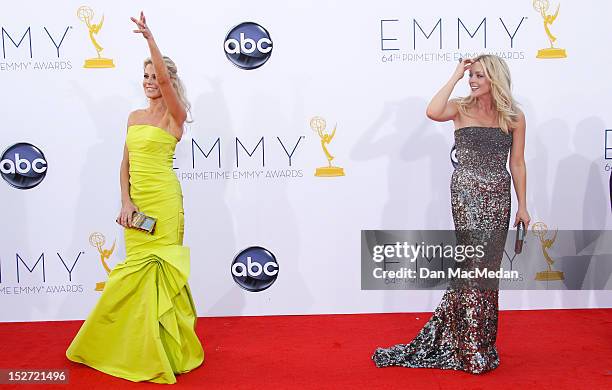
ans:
x=327 y=61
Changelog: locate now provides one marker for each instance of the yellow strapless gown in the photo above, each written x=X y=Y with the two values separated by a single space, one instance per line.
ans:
x=143 y=326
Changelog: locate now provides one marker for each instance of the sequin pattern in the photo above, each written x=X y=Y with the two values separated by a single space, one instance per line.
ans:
x=462 y=331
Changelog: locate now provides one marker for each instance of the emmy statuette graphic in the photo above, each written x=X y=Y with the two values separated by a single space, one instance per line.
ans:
x=551 y=52
x=540 y=230
x=318 y=124
x=86 y=15
x=97 y=240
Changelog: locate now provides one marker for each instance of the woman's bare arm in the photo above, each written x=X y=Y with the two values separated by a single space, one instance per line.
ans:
x=171 y=98
x=518 y=169
x=440 y=108
x=127 y=206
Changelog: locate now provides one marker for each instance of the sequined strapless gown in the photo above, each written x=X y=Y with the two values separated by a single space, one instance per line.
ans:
x=462 y=331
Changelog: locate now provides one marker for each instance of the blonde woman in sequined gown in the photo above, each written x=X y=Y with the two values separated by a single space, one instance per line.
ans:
x=143 y=326
x=462 y=331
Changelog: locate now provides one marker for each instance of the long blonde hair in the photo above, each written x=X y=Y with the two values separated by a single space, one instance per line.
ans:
x=178 y=85
x=497 y=72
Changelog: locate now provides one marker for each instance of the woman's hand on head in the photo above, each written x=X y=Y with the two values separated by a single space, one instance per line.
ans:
x=463 y=66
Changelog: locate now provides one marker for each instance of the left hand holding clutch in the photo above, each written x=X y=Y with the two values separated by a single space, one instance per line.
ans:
x=522 y=215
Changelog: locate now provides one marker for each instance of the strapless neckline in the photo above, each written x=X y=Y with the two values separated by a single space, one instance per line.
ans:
x=155 y=127
x=479 y=127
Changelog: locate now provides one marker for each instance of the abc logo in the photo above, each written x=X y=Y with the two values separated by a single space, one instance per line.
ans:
x=248 y=45
x=23 y=166
x=453 y=157
x=255 y=269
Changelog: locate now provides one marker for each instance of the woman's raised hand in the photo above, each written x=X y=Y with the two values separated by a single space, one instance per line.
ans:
x=142 y=26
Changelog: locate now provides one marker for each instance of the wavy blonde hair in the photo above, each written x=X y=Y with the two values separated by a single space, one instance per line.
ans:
x=497 y=72
x=178 y=85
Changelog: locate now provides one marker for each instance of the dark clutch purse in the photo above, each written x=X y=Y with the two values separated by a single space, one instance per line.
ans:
x=520 y=237
x=143 y=222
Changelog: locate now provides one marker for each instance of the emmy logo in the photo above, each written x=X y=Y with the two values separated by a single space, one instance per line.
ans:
x=317 y=124
x=540 y=230
x=552 y=52
x=85 y=15
x=97 y=240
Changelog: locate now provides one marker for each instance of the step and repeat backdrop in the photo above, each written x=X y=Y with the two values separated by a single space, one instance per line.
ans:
x=308 y=127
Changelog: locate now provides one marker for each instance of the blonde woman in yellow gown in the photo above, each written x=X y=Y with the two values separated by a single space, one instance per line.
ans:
x=143 y=326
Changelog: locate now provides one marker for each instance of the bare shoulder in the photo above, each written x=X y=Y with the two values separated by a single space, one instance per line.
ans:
x=520 y=122
x=517 y=128
x=135 y=116
x=453 y=104
x=454 y=112
x=521 y=116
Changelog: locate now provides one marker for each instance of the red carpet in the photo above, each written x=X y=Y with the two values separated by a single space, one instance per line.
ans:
x=543 y=349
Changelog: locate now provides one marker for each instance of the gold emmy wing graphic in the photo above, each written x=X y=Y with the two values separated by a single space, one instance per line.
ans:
x=85 y=15
x=540 y=230
x=318 y=124
x=552 y=52
x=97 y=240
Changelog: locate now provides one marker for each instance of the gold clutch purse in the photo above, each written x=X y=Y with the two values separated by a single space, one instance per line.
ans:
x=143 y=222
